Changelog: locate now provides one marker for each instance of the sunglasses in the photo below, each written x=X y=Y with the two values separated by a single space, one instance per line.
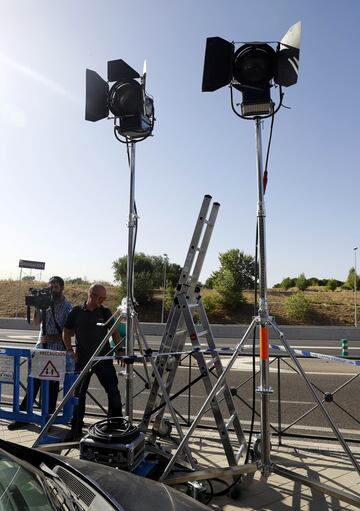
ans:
x=100 y=298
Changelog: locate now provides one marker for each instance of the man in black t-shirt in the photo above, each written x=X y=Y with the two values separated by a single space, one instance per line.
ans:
x=83 y=322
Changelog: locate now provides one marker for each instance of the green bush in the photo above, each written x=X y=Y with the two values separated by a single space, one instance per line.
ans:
x=332 y=284
x=213 y=305
x=211 y=300
x=287 y=283
x=298 y=307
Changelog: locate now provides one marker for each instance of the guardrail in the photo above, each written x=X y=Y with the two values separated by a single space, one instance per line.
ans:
x=18 y=361
x=291 y=332
x=333 y=398
x=281 y=425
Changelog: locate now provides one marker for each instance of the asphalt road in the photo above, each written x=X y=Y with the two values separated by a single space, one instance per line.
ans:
x=291 y=396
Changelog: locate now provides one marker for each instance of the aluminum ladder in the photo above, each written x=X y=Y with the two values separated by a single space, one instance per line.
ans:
x=180 y=325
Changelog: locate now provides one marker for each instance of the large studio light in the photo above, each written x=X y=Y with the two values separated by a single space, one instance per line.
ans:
x=252 y=69
x=126 y=100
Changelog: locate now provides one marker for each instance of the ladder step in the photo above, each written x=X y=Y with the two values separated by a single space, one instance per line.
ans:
x=193 y=305
x=230 y=421
x=221 y=390
x=202 y=333
x=210 y=364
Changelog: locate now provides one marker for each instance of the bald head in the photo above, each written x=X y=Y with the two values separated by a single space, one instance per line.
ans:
x=96 y=296
x=97 y=288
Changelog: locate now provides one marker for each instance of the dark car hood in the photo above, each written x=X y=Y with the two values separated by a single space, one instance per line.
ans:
x=131 y=492
x=135 y=493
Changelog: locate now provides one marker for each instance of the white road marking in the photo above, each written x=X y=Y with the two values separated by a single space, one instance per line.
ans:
x=21 y=337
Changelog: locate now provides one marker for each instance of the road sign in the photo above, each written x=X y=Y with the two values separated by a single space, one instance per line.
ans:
x=34 y=265
x=6 y=369
x=48 y=365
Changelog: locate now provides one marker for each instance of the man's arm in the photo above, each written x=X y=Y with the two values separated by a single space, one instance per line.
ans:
x=37 y=317
x=67 y=334
x=117 y=339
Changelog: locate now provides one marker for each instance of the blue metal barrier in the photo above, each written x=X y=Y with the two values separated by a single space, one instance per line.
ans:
x=12 y=411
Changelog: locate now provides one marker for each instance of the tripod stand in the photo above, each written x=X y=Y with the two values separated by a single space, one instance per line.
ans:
x=263 y=320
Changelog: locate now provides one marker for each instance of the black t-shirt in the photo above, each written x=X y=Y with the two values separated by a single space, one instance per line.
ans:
x=88 y=334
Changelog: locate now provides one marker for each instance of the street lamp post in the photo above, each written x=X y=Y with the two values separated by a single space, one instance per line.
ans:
x=164 y=288
x=355 y=288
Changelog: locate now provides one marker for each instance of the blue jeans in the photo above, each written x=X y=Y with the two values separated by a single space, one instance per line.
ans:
x=107 y=376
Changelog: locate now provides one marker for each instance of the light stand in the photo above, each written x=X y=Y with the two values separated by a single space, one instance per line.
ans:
x=133 y=111
x=265 y=465
x=134 y=118
x=130 y=310
x=263 y=319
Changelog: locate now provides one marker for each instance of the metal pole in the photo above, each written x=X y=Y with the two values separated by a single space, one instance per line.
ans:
x=130 y=291
x=264 y=389
x=355 y=286
x=164 y=289
x=279 y=400
x=18 y=300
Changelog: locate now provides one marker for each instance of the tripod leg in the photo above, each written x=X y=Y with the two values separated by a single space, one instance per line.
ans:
x=164 y=392
x=316 y=397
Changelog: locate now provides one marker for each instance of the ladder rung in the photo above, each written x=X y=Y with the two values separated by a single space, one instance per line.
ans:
x=193 y=305
x=180 y=332
x=221 y=390
x=240 y=451
x=202 y=333
x=230 y=421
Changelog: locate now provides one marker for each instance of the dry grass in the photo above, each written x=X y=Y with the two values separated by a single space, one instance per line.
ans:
x=329 y=307
x=10 y=296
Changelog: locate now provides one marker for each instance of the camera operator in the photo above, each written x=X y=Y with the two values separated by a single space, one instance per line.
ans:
x=51 y=321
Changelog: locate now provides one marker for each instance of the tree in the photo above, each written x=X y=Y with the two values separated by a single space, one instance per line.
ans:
x=301 y=282
x=235 y=274
x=313 y=281
x=143 y=277
x=350 y=281
x=287 y=283
x=148 y=275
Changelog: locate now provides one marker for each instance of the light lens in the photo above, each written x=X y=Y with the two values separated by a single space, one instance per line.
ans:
x=254 y=64
x=126 y=99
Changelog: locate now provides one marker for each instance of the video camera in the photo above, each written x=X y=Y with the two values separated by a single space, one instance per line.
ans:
x=39 y=298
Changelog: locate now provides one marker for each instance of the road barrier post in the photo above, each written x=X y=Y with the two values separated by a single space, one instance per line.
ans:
x=344 y=348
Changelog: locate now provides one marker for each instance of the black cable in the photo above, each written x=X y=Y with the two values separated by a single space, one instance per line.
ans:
x=222 y=492
x=265 y=177
x=114 y=430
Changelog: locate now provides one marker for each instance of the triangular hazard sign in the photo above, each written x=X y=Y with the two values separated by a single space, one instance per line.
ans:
x=49 y=370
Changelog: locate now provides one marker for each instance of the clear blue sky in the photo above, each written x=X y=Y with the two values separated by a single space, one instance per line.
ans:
x=65 y=181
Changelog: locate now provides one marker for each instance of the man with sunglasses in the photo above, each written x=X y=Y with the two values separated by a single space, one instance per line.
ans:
x=83 y=322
